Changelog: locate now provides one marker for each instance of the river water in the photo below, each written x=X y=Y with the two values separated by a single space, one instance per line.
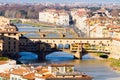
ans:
x=89 y=65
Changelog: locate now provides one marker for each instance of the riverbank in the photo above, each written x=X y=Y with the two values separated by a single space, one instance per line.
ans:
x=113 y=63
x=96 y=56
x=39 y=24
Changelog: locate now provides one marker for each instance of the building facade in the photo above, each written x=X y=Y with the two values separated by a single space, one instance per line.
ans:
x=54 y=16
x=79 y=16
x=10 y=37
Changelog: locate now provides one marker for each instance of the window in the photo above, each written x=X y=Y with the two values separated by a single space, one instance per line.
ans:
x=9 y=42
x=15 y=78
x=2 y=34
x=9 y=47
x=14 y=34
x=8 y=33
x=2 y=38
x=14 y=43
x=12 y=78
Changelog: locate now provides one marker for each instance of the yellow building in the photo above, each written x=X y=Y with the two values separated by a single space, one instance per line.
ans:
x=3 y=20
x=1 y=47
x=9 y=35
x=115 y=51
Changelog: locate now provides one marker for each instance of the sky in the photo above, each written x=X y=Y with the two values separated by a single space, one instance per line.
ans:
x=61 y=1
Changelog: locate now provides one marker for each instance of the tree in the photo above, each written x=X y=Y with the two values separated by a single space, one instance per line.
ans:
x=115 y=12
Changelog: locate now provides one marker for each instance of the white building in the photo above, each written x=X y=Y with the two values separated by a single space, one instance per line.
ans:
x=61 y=68
x=63 y=19
x=54 y=16
x=79 y=17
x=21 y=73
x=97 y=31
x=6 y=65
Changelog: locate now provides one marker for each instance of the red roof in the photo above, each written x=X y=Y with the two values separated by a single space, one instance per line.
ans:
x=29 y=76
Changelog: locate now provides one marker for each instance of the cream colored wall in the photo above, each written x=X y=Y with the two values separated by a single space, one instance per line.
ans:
x=115 y=50
x=54 y=17
x=10 y=37
x=3 y=20
x=1 y=45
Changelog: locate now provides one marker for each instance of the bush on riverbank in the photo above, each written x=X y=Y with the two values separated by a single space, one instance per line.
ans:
x=37 y=24
x=102 y=55
x=16 y=21
x=4 y=58
x=115 y=63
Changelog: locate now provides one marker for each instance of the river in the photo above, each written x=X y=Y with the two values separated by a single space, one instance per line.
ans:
x=89 y=65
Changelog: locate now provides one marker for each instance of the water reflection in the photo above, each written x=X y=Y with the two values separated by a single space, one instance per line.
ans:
x=59 y=56
x=87 y=56
x=27 y=57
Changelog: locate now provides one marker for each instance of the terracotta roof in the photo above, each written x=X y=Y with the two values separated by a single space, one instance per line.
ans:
x=38 y=68
x=61 y=65
x=29 y=76
x=5 y=75
x=117 y=39
x=20 y=71
x=112 y=26
x=47 y=76
x=3 y=62
x=43 y=71
x=41 y=68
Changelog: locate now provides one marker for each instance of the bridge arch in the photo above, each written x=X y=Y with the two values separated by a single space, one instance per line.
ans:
x=53 y=35
x=67 y=46
x=60 y=46
x=59 y=56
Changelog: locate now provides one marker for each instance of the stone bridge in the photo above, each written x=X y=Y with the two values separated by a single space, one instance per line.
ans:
x=61 y=32
x=75 y=46
x=42 y=34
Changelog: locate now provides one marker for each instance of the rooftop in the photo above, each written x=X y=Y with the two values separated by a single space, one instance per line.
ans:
x=3 y=62
x=47 y=76
x=61 y=65
x=5 y=75
x=20 y=71
x=113 y=26
x=29 y=76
